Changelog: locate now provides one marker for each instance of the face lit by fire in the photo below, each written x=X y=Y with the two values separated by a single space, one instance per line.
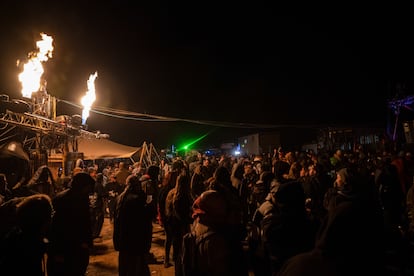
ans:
x=33 y=69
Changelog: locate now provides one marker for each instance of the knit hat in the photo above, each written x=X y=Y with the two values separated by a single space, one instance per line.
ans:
x=210 y=204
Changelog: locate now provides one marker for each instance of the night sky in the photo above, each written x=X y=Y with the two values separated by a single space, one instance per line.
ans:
x=213 y=61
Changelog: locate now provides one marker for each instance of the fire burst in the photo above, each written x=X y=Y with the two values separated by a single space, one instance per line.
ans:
x=89 y=98
x=33 y=69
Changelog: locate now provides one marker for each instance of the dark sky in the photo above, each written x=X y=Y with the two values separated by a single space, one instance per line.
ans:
x=216 y=61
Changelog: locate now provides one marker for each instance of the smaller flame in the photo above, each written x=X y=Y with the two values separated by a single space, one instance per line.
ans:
x=89 y=98
x=33 y=69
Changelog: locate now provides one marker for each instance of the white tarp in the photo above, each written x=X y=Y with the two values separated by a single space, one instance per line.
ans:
x=104 y=149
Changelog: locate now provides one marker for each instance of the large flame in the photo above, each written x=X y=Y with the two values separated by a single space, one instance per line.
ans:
x=89 y=98
x=33 y=69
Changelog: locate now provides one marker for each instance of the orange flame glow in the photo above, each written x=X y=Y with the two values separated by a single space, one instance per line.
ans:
x=89 y=98
x=33 y=69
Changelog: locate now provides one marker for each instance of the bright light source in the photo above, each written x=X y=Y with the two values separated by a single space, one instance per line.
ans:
x=89 y=98
x=33 y=69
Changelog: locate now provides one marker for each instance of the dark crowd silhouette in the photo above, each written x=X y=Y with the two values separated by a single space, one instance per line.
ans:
x=283 y=213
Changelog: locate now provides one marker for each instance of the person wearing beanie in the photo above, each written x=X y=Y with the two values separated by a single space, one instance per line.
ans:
x=213 y=253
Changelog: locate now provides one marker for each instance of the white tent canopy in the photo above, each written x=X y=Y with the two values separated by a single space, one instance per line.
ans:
x=93 y=148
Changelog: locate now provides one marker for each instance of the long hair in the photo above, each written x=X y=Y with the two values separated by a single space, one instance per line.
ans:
x=182 y=199
x=133 y=186
x=182 y=186
x=222 y=176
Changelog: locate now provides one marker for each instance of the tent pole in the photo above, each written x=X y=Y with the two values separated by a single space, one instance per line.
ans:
x=144 y=146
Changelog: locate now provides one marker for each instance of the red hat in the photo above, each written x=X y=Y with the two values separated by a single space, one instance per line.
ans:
x=211 y=204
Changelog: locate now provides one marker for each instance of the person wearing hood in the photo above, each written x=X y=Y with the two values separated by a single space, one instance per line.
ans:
x=43 y=182
x=132 y=228
x=70 y=235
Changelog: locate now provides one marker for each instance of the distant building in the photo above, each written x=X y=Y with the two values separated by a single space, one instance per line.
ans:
x=259 y=143
x=349 y=138
x=318 y=138
x=287 y=138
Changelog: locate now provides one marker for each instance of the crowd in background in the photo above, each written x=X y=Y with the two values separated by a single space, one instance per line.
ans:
x=280 y=213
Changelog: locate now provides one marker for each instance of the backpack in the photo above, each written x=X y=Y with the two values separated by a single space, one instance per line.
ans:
x=190 y=250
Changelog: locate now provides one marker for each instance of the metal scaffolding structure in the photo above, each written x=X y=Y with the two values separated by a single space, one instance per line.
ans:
x=40 y=135
x=30 y=127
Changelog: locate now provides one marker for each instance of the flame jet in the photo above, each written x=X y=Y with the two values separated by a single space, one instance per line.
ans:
x=89 y=98
x=33 y=69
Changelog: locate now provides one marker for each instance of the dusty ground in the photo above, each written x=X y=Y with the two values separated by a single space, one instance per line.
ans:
x=104 y=259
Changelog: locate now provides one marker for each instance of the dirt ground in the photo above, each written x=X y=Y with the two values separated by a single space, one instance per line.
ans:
x=104 y=259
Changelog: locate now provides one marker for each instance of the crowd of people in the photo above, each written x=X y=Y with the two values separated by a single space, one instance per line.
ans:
x=281 y=213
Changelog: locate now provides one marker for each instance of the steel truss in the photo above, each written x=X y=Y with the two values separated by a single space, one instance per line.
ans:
x=36 y=132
